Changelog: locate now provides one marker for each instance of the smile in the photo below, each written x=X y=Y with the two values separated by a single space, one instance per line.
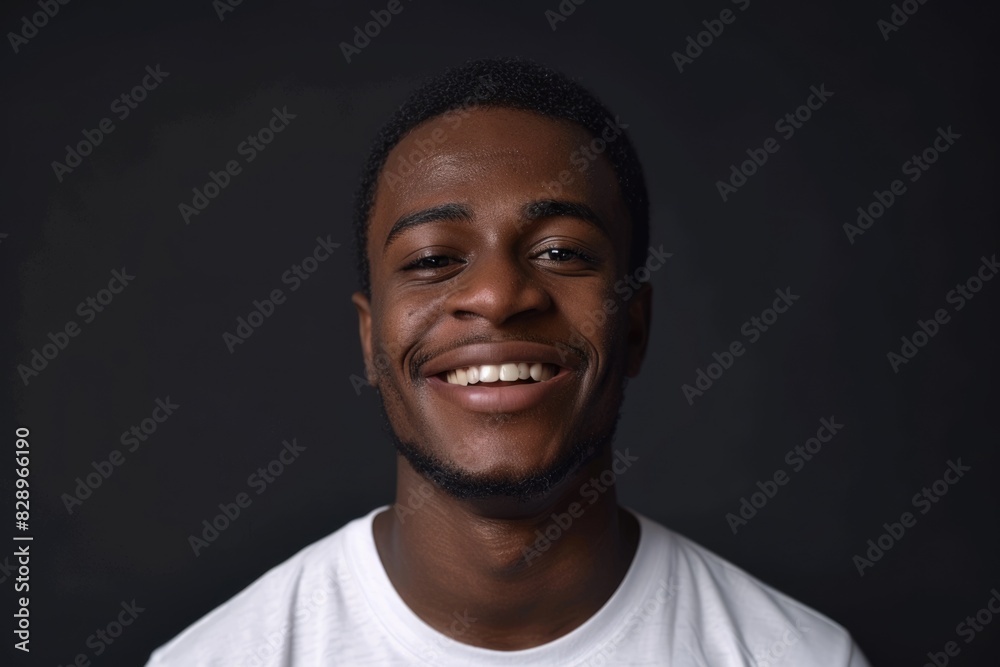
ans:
x=486 y=377
x=508 y=374
x=500 y=395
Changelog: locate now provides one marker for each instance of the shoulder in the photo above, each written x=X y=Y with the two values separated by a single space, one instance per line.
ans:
x=282 y=607
x=733 y=612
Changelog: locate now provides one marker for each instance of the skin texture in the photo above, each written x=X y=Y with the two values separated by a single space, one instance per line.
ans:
x=499 y=276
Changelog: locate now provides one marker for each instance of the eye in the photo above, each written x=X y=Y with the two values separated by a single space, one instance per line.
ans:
x=429 y=262
x=563 y=254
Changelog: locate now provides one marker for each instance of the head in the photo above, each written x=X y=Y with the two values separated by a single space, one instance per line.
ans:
x=500 y=220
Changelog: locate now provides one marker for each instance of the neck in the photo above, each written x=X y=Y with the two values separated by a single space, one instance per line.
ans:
x=495 y=578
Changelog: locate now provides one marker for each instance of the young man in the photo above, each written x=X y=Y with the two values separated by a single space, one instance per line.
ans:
x=502 y=226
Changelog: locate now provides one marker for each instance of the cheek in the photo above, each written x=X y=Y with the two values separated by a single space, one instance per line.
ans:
x=611 y=341
x=595 y=315
x=398 y=327
x=385 y=343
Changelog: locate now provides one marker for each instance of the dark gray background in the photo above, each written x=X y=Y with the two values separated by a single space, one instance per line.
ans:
x=825 y=357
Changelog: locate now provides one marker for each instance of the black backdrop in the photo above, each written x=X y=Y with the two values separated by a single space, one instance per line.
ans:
x=161 y=335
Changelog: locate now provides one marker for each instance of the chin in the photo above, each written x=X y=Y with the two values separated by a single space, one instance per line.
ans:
x=491 y=469
x=500 y=481
x=502 y=452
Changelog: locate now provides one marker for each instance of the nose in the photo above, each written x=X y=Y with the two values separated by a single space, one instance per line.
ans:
x=497 y=287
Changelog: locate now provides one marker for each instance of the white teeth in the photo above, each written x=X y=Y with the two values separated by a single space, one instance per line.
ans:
x=504 y=372
x=489 y=373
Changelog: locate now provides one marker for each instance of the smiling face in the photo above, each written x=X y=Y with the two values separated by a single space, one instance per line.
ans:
x=478 y=272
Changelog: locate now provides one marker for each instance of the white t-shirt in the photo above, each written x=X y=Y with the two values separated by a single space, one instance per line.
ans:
x=678 y=605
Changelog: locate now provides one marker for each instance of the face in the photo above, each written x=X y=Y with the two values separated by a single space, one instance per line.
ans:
x=484 y=265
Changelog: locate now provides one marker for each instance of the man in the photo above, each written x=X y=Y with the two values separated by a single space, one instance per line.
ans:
x=502 y=225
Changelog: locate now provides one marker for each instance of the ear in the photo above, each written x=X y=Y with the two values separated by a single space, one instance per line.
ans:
x=362 y=303
x=640 y=314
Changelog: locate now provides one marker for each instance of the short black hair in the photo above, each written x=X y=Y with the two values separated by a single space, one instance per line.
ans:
x=513 y=83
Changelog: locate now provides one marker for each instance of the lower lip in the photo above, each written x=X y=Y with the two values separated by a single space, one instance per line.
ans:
x=512 y=398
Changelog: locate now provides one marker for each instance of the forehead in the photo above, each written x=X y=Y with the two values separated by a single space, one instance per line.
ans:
x=493 y=159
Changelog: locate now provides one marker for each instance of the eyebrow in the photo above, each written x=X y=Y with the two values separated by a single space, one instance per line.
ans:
x=558 y=208
x=453 y=212
x=531 y=212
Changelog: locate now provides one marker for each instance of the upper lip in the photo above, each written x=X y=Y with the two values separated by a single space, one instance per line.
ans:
x=498 y=353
